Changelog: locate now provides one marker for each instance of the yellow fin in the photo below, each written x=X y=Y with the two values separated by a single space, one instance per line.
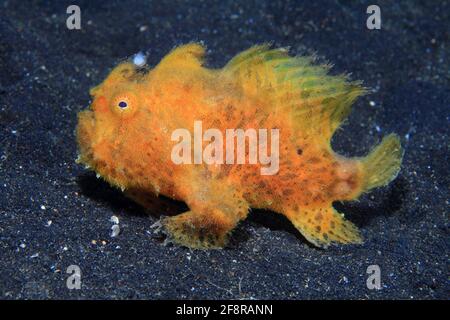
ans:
x=295 y=86
x=324 y=226
x=383 y=163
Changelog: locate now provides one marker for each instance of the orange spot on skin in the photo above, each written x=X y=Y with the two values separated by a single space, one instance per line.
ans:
x=345 y=170
x=342 y=189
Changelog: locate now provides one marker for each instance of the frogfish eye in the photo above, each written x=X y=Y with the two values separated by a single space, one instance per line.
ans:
x=123 y=104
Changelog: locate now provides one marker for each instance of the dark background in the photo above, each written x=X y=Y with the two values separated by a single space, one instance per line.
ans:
x=46 y=71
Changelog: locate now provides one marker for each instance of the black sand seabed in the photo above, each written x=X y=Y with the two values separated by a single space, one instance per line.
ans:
x=54 y=214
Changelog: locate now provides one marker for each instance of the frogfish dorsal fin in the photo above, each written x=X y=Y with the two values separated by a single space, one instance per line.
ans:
x=296 y=87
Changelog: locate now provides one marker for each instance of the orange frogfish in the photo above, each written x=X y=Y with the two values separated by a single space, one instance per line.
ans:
x=128 y=137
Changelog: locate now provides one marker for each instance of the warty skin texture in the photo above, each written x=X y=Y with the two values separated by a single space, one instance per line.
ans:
x=260 y=88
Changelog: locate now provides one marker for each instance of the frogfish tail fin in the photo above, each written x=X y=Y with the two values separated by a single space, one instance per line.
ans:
x=382 y=164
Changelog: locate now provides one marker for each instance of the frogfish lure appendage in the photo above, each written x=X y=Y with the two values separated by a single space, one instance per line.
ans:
x=127 y=137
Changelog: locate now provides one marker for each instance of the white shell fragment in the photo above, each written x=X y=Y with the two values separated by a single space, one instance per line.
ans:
x=139 y=59
x=114 y=219
x=115 y=230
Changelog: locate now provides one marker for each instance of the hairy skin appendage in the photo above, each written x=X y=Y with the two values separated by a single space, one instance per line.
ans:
x=125 y=136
